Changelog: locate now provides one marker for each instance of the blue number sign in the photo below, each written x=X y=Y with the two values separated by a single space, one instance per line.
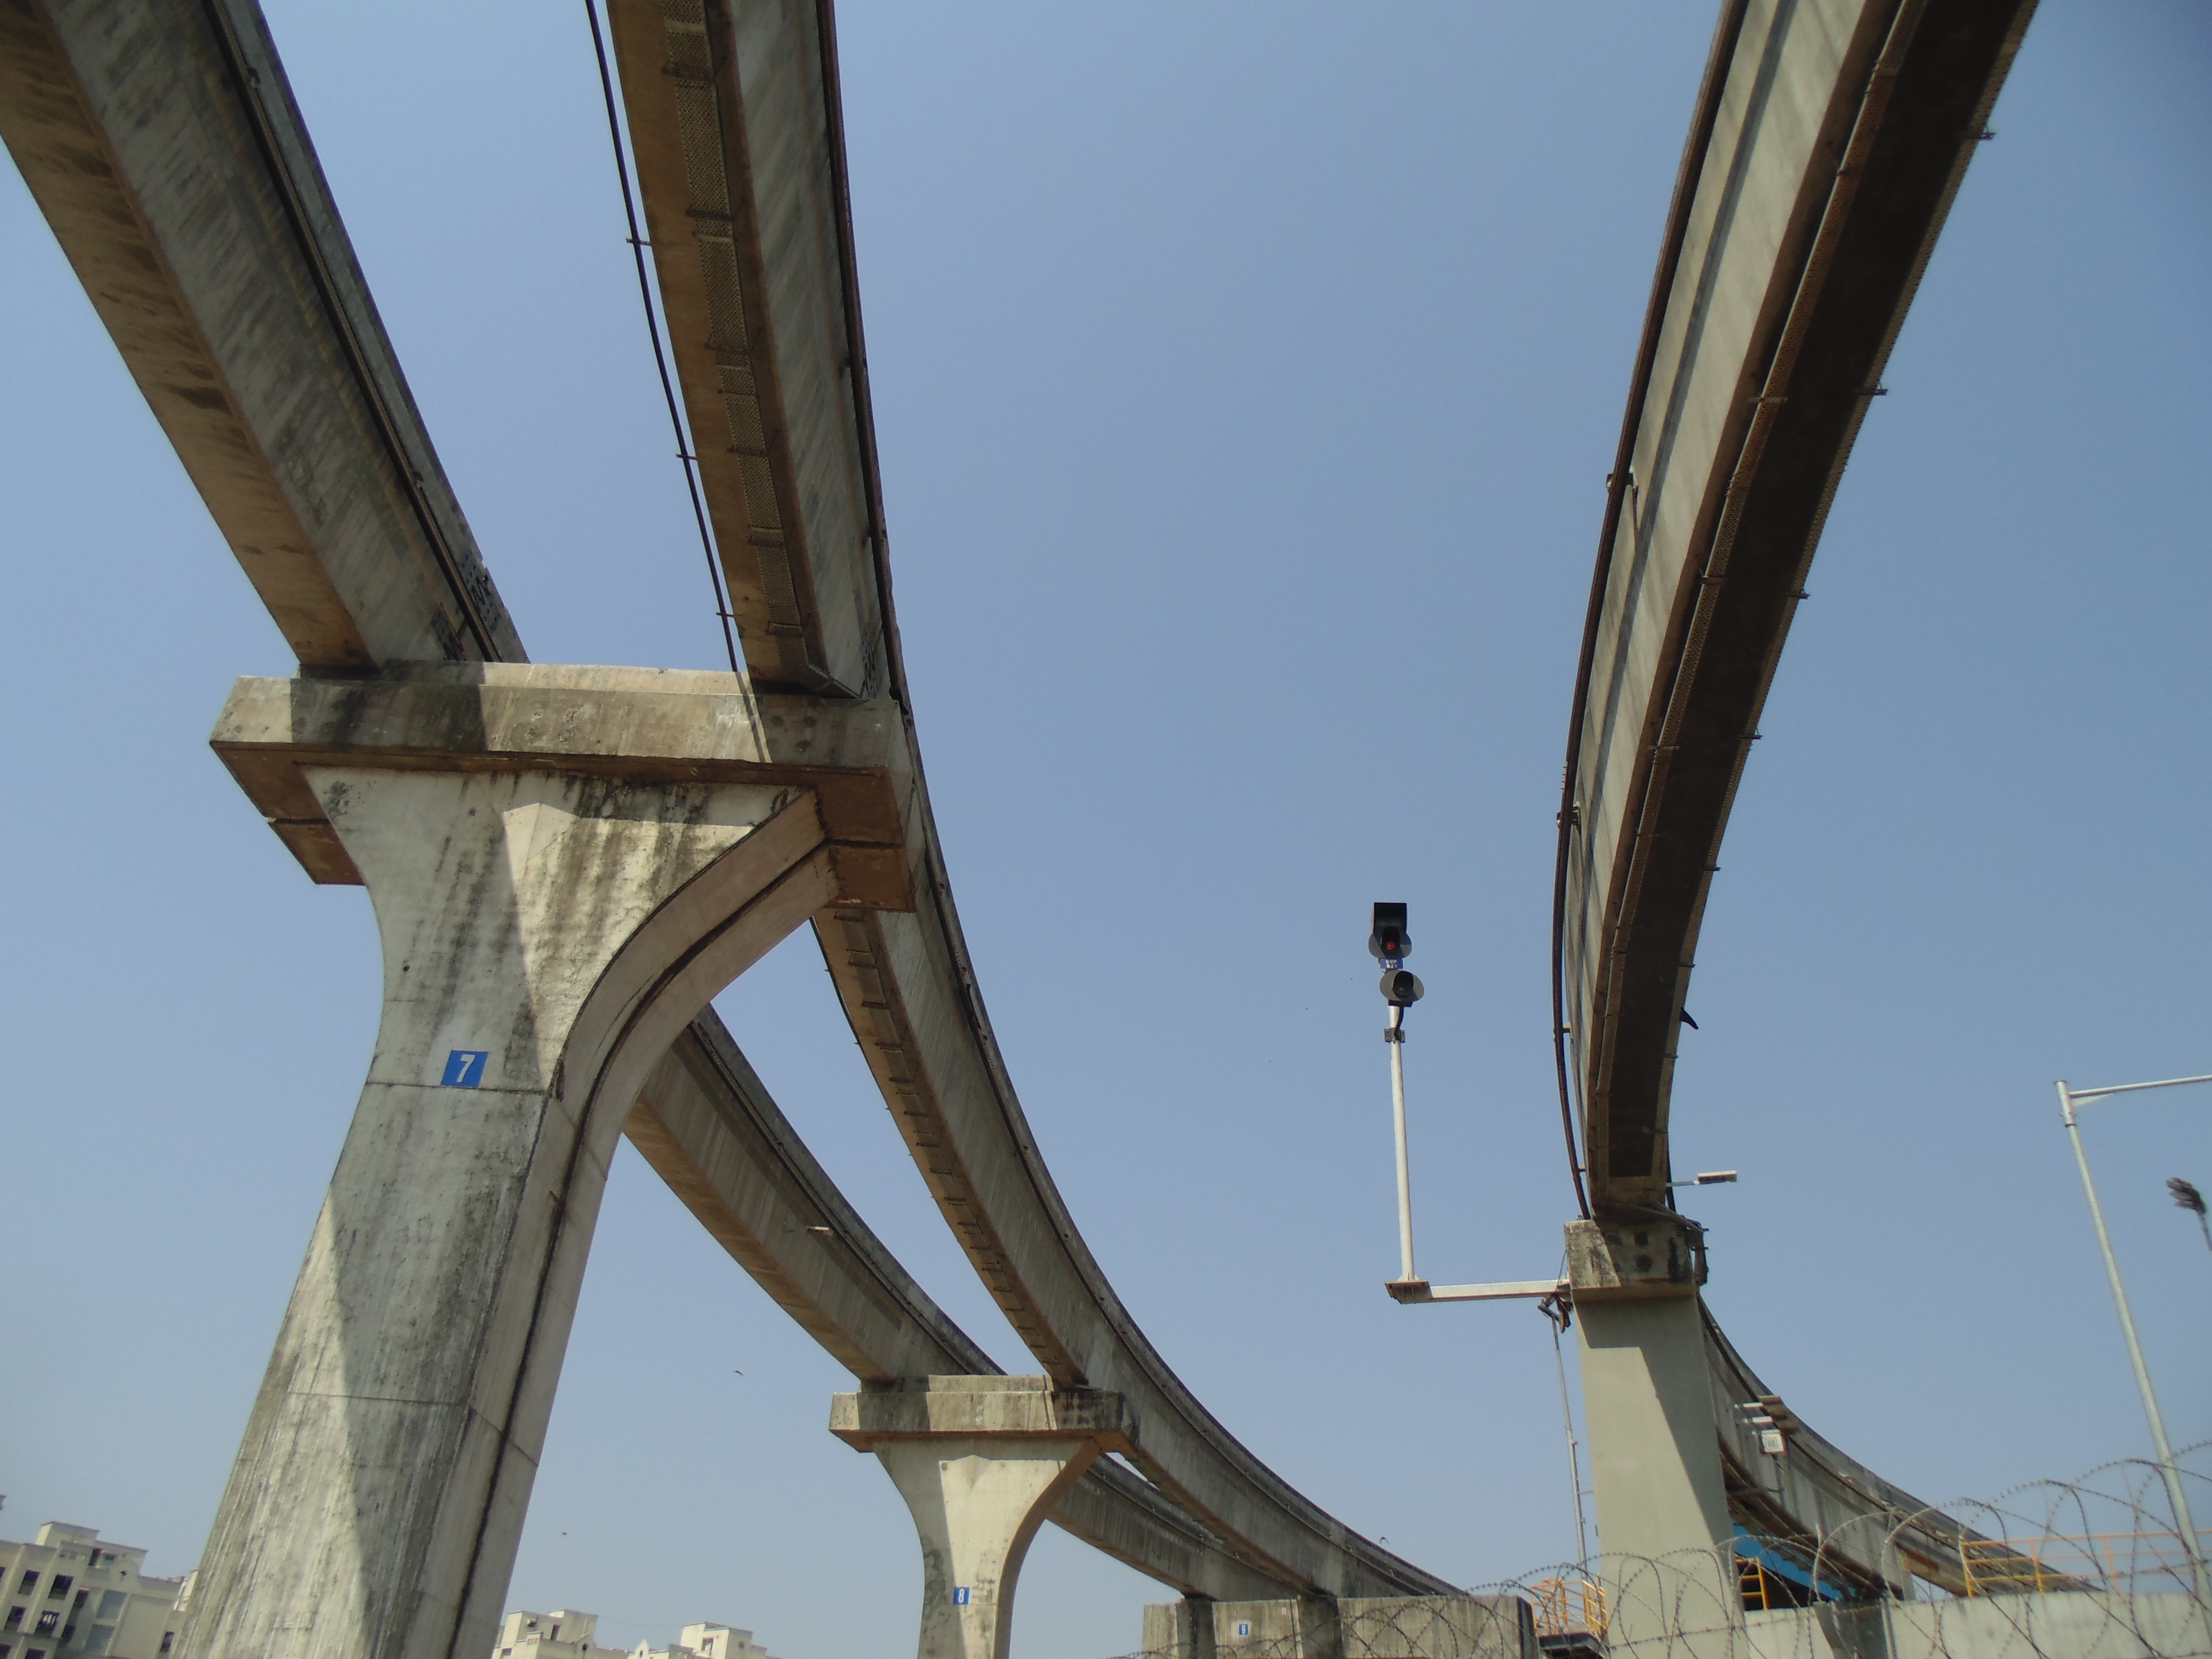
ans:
x=960 y=1596
x=464 y=1068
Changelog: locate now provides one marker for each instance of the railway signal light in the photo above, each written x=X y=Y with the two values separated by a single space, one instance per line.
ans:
x=1389 y=943
x=1402 y=988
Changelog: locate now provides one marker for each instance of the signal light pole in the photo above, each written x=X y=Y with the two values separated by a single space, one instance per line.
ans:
x=1388 y=942
x=1394 y=1034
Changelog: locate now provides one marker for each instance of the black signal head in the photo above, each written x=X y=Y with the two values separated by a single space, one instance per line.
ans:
x=1389 y=942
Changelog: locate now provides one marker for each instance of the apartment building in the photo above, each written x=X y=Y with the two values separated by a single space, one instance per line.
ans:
x=567 y=1634
x=705 y=1642
x=562 y=1633
x=71 y=1593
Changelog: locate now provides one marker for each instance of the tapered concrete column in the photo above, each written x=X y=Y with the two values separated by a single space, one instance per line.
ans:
x=1662 y=1521
x=981 y=1462
x=564 y=867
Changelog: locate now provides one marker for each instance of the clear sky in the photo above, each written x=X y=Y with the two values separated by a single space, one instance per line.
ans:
x=1247 y=376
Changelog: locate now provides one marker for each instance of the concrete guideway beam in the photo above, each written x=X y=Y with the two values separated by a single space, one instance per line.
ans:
x=1863 y=1531
x=981 y=1461
x=708 y=1128
x=160 y=141
x=911 y=995
x=547 y=933
x=734 y=130
x=1829 y=141
x=1678 y=1458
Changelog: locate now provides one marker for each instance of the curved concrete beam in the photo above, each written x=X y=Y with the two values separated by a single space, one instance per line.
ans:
x=733 y=113
x=1831 y=137
x=706 y=1123
x=160 y=141
x=163 y=145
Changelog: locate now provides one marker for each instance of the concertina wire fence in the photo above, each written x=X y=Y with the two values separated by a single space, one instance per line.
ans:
x=2092 y=1568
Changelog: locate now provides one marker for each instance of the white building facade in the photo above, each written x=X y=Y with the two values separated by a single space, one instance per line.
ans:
x=562 y=1633
x=567 y=1634
x=69 y=1593
x=705 y=1642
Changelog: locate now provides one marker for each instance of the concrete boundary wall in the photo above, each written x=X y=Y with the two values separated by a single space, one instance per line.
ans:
x=2083 y=1625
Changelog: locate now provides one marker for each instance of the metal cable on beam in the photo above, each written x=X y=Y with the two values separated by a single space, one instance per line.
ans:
x=637 y=247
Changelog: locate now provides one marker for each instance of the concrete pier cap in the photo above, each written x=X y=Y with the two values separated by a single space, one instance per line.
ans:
x=981 y=1462
x=566 y=865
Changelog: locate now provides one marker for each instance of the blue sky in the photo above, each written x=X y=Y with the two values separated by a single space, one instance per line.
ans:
x=1246 y=379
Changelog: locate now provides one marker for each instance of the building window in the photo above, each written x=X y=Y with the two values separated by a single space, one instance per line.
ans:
x=59 y=1588
x=168 y=1640
x=30 y=1582
x=16 y=1617
x=47 y=1620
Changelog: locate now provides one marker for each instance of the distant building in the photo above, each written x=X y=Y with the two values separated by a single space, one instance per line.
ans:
x=562 y=1633
x=69 y=1591
x=566 y=1634
x=705 y=1642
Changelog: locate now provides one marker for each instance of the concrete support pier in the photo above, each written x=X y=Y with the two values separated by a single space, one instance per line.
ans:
x=566 y=865
x=981 y=1462
x=1662 y=1520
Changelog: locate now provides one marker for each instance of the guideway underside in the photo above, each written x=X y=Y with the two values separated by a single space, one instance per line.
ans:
x=566 y=863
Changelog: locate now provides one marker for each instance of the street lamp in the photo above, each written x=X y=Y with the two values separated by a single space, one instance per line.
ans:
x=2068 y=1100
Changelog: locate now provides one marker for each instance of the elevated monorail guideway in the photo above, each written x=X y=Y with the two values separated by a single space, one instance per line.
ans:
x=734 y=127
x=162 y=144
x=1829 y=139
x=1828 y=142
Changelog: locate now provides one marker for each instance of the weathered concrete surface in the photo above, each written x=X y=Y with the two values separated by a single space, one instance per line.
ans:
x=1357 y=1627
x=547 y=934
x=734 y=128
x=1178 y=1630
x=910 y=993
x=734 y=124
x=707 y=1124
x=1827 y=146
x=1005 y=1407
x=1620 y=1261
x=614 y=723
x=1663 y=1517
x=160 y=139
x=2075 y=1624
x=291 y=433
x=981 y=1461
x=148 y=133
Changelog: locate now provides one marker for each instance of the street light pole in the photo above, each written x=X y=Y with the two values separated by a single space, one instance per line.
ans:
x=2066 y=1100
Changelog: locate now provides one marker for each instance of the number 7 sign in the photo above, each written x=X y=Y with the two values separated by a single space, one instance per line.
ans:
x=464 y=1068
